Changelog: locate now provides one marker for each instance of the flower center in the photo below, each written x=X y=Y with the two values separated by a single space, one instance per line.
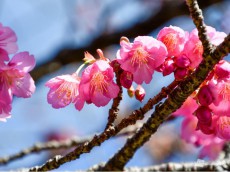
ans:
x=170 y=41
x=225 y=92
x=98 y=82
x=65 y=93
x=140 y=57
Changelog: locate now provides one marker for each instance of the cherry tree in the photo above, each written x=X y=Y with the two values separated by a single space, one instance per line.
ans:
x=200 y=92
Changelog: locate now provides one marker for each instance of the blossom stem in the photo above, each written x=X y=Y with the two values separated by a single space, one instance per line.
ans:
x=81 y=67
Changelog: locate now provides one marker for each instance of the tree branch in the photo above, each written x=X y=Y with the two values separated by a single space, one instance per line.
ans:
x=173 y=102
x=113 y=111
x=53 y=145
x=112 y=131
x=223 y=165
x=169 y=10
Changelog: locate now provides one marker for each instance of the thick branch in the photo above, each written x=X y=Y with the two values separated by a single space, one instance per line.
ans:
x=111 y=131
x=173 y=102
x=198 y=20
x=169 y=10
x=194 y=166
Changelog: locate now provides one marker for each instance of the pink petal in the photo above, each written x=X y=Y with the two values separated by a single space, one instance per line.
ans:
x=8 y=39
x=23 y=61
x=23 y=87
x=99 y=99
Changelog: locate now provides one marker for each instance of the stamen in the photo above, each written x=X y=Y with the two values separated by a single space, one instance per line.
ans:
x=140 y=57
x=225 y=92
x=64 y=93
x=99 y=83
x=170 y=41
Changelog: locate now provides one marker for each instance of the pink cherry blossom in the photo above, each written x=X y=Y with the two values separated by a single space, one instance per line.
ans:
x=15 y=80
x=221 y=106
x=97 y=85
x=141 y=57
x=63 y=90
x=7 y=40
x=193 y=48
x=174 y=39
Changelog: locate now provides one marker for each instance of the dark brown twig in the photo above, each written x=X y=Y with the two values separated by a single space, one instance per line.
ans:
x=113 y=111
x=53 y=145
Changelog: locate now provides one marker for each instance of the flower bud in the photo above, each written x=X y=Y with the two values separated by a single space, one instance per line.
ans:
x=204 y=128
x=182 y=61
x=169 y=67
x=126 y=79
x=180 y=73
x=131 y=91
x=140 y=93
x=115 y=65
x=204 y=115
x=123 y=38
x=205 y=96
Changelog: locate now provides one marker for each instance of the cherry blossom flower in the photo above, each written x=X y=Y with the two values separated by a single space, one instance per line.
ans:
x=141 y=57
x=63 y=90
x=97 y=85
x=174 y=39
x=193 y=48
x=15 y=80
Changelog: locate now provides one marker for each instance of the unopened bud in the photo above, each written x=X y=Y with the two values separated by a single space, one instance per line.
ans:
x=101 y=55
x=115 y=65
x=204 y=96
x=204 y=128
x=182 y=61
x=140 y=93
x=126 y=79
x=131 y=91
x=204 y=115
x=169 y=67
x=180 y=73
x=123 y=38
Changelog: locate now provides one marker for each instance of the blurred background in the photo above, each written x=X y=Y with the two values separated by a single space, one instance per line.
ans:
x=57 y=32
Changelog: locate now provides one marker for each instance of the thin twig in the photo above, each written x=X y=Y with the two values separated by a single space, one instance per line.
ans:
x=66 y=144
x=113 y=111
x=112 y=131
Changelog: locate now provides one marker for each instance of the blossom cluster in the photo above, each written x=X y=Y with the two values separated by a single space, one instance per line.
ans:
x=206 y=112
x=14 y=77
